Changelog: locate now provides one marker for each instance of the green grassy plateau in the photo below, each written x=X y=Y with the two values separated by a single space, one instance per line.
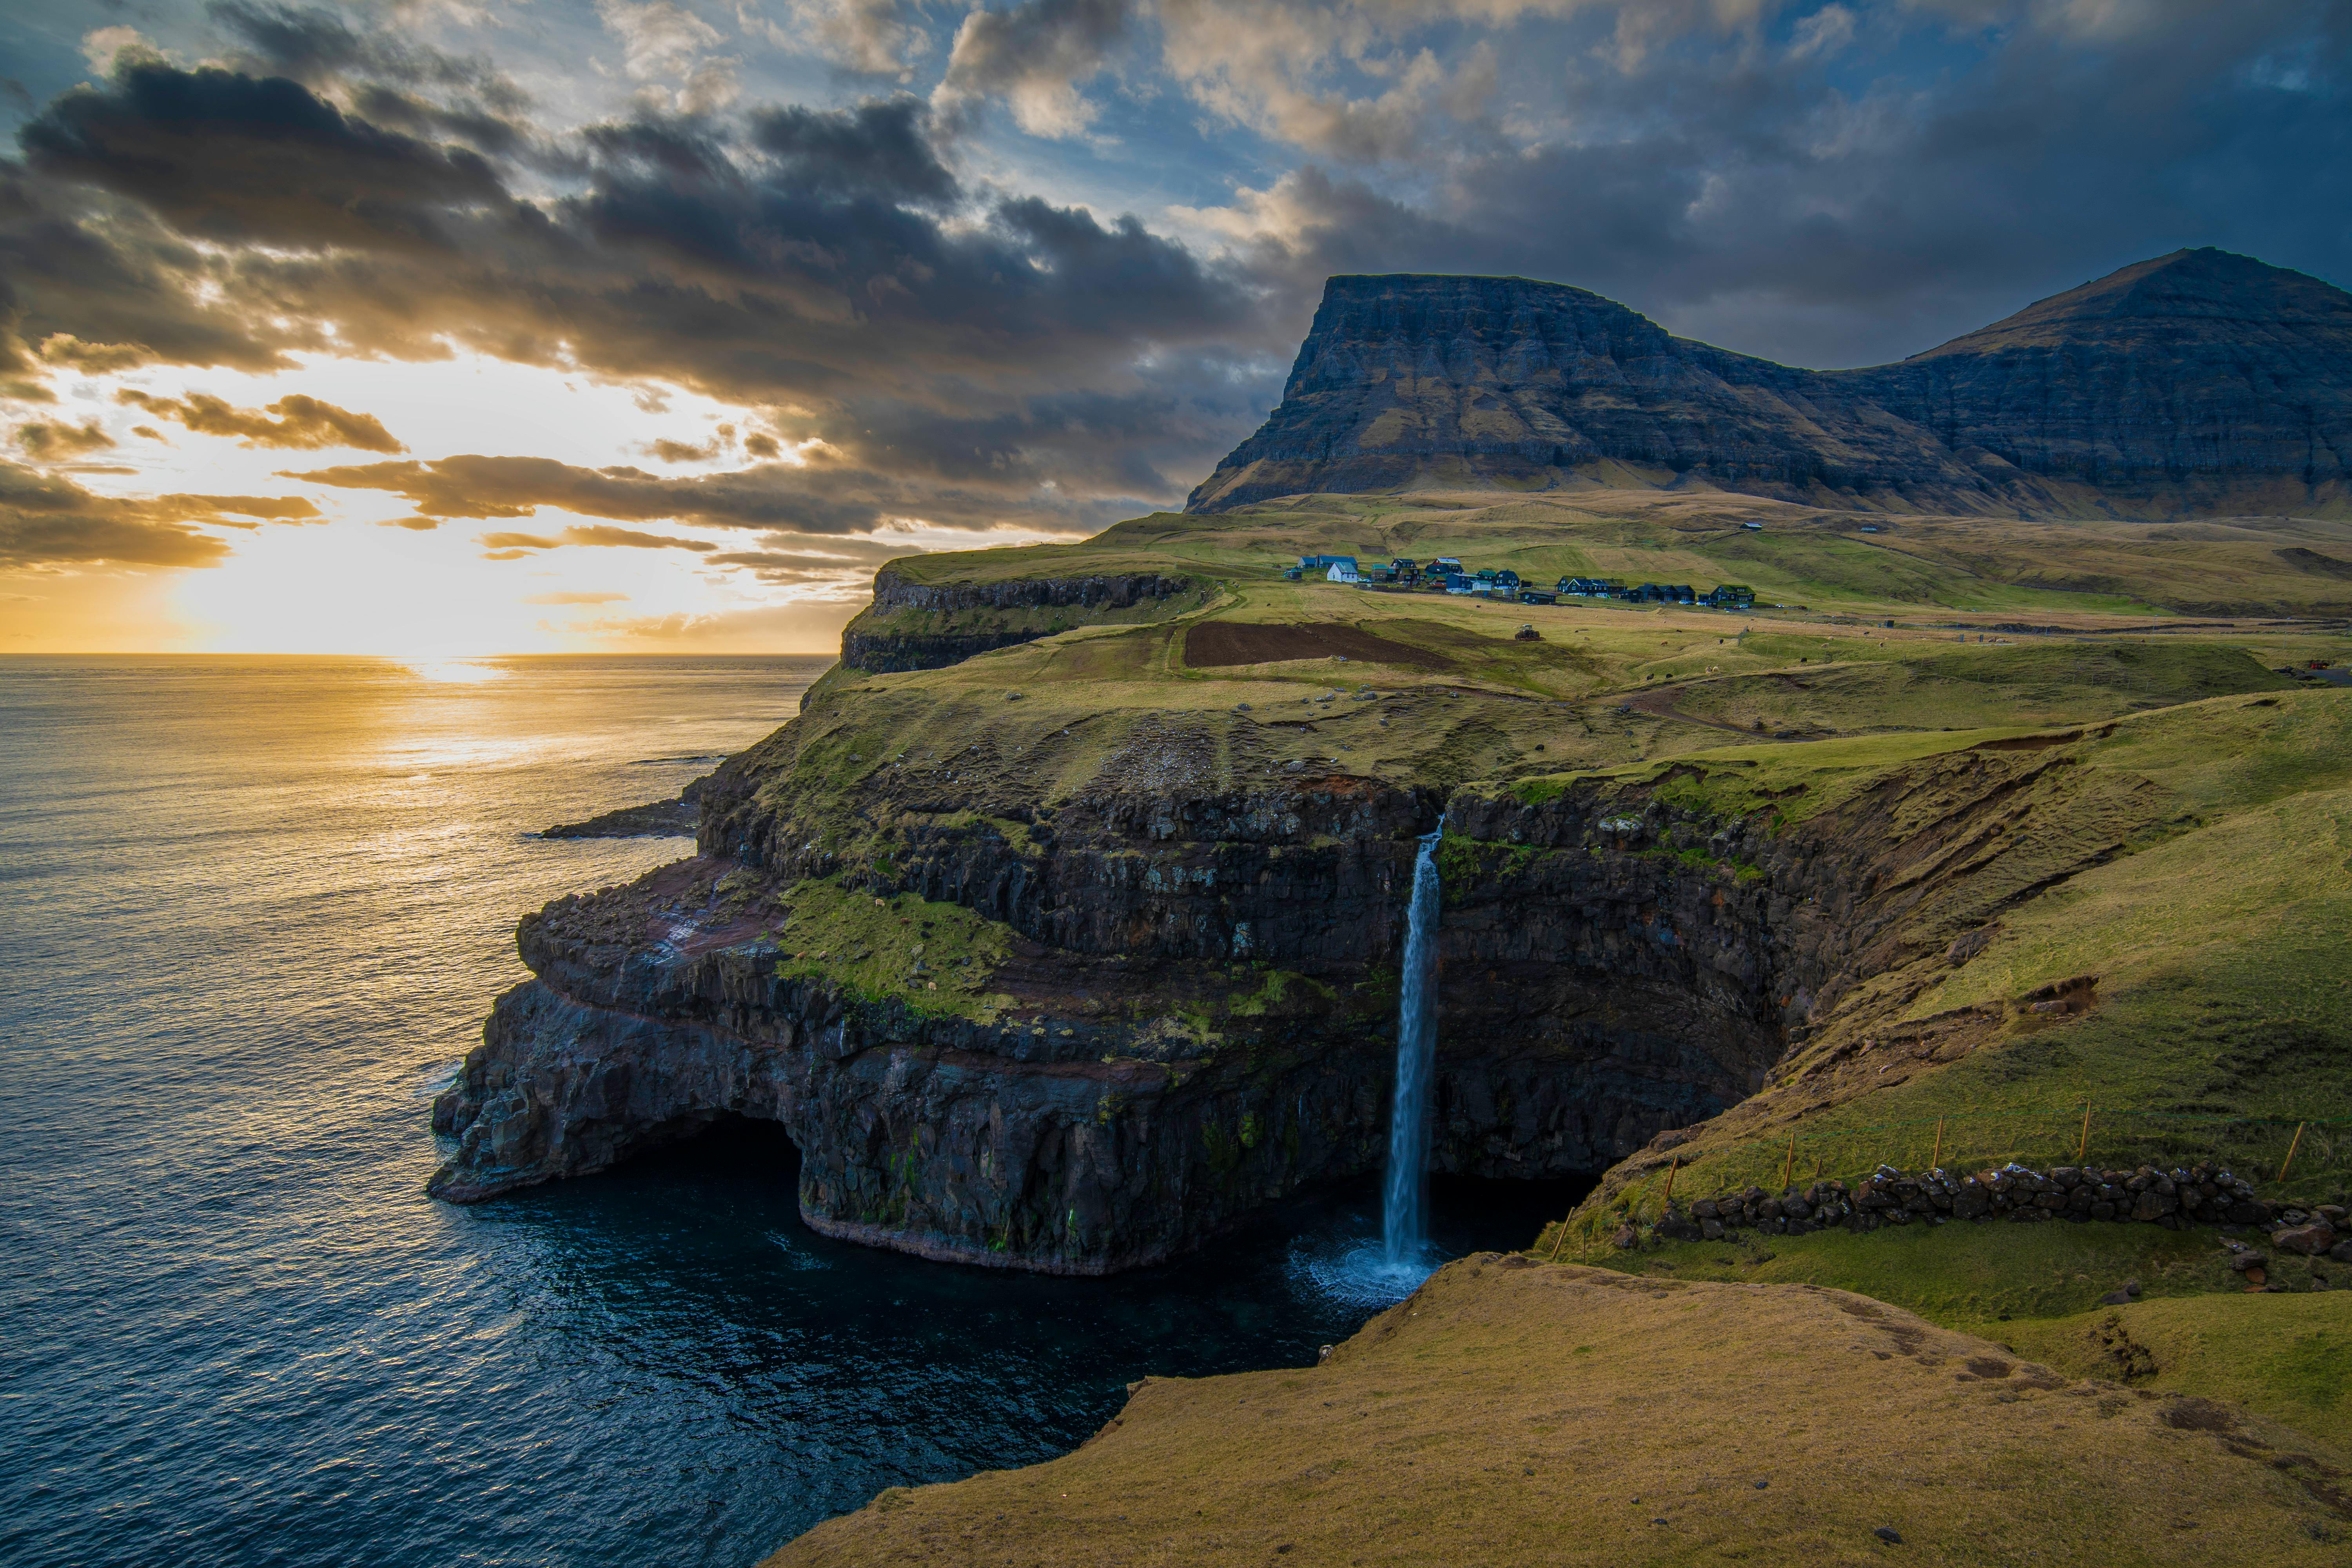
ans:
x=1512 y=1414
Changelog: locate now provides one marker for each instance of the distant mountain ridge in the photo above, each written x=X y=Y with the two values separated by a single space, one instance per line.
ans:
x=2202 y=382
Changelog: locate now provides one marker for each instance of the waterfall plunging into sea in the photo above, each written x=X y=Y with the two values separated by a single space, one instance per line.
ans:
x=1404 y=1222
x=1377 y=1273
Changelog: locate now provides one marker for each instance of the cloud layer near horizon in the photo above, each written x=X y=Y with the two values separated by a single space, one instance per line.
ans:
x=1037 y=266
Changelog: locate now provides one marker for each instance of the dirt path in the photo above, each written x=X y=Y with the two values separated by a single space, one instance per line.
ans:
x=1659 y=703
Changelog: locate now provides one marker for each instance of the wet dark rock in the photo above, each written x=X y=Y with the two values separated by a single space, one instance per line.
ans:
x=656 y=819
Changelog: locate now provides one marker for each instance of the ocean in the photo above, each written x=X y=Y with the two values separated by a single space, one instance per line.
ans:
x=252 y=912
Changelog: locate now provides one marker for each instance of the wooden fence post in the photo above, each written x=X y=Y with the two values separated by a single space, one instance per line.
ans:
x=2083 y=1146
x=1935 y=1160
x=1670 y=1179
x=1789 y=1165
x=2293 y=1145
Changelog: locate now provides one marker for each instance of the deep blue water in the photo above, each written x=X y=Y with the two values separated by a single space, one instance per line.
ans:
x=251 y=913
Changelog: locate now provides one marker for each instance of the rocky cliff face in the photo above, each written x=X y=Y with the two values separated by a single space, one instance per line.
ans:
x=1190 y=1012
x=2197 y=382
x=920 y=625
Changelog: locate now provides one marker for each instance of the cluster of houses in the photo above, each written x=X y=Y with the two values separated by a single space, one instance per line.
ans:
x=1445 y=574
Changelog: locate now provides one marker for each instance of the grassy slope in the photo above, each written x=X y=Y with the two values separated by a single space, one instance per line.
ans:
x=2218 y=944
x=2218 y=939
x=1570 y=1415
x=1098 y=701
x=1800 y=555
x=1990 y=569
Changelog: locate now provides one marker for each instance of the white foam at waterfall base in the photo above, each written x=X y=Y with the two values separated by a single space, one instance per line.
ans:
x=1383 y=1272
x=1358 y=1273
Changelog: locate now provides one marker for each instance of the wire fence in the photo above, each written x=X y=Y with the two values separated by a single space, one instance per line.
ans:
x=2300 y=1156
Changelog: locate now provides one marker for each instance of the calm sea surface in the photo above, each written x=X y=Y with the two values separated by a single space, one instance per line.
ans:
x=251 y=914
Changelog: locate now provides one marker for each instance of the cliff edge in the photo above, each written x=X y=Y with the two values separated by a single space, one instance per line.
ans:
x=1513 y=1412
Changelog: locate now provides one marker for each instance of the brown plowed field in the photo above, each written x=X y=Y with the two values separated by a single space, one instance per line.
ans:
x=1214 y=643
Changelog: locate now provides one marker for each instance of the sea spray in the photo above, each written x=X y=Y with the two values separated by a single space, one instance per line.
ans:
x=1404 y=1217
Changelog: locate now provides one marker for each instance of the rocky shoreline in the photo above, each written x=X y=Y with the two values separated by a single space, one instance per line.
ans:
x=674 y=818
x=1194 y=1017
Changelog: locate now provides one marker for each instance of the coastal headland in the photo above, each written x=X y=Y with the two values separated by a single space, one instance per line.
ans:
x=2004 y=816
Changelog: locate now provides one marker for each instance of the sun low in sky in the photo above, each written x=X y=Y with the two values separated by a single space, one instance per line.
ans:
x=437 y=329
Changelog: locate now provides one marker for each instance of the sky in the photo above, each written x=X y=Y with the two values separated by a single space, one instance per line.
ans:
x=436 y=329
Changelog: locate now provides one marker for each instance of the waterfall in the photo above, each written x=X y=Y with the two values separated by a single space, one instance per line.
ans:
x=1404 y=1221
x=1367 y=1273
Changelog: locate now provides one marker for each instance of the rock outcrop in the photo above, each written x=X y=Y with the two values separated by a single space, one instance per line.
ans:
x=673 y=818
x=2198 y=381
x=1193 y=1012
x=924 y=625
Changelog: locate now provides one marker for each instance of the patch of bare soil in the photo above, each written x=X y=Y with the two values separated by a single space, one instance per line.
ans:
x=1212 y=644
x=1659 y=702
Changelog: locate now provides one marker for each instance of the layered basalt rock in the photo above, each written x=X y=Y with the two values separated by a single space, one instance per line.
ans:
x=1194 y=1016
x=2197 y=382
x=915 y=626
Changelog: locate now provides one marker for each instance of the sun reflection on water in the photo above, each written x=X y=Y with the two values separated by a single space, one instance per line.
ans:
x=455 y=671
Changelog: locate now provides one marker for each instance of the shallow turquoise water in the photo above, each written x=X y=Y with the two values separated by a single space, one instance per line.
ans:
x=251 y=913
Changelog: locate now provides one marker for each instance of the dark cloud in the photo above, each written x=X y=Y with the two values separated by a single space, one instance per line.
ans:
x=318 y=47
x=631 y=539
x=823 y=498
x=393 y=81
x=1824 y=189
x=1783 y=201
x=50 y=440
x=816 y=261
x=479 y=487
x=47 y=521
x=591 y=534
x=237 y=159
x=877 y=149
x=101 y=284
x=300 y=423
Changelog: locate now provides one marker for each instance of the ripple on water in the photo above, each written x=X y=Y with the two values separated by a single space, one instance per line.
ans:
x=239 y=1334
x=1358 y=1272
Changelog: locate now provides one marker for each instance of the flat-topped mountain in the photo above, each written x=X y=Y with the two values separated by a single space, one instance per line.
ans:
x=2200 y=382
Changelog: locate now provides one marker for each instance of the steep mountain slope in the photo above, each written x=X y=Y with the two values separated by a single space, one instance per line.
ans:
x=2200 y=383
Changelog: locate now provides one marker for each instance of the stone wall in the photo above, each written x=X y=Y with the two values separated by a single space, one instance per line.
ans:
x=2175 y=1199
